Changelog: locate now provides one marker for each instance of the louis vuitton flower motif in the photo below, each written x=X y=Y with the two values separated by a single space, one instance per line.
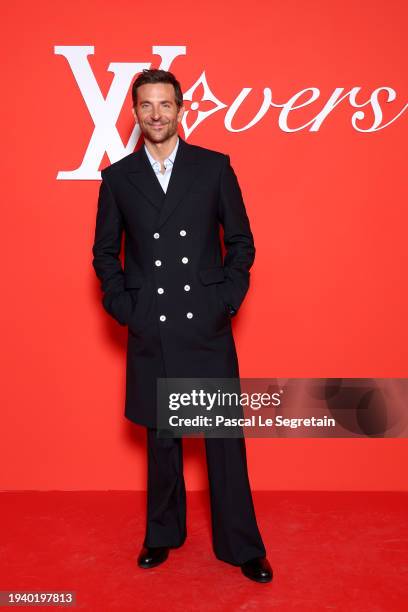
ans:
x=203 y=103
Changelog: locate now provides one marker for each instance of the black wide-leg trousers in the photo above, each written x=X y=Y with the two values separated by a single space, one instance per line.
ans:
x=235 y=532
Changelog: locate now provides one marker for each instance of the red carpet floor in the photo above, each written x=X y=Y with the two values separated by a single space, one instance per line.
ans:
x=329 y=551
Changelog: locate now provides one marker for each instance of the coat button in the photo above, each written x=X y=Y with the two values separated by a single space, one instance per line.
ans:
x=189 y=315
x=157 y=262
x=183 y=232
x=156 y=235
x=186 y=287
x=162 y=317
x=160 y=290
x=185 y=260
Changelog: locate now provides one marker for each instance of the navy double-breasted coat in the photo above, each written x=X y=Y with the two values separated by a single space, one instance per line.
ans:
x=176 y=288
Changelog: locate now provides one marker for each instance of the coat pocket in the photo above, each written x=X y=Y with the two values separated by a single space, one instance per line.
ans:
x=214 y=277
x=133 y=281
x=142 y=293
x=208 y=276
x=133 y=284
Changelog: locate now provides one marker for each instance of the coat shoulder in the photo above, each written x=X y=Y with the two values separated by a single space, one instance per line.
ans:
x=118 y=165
x=209 y=155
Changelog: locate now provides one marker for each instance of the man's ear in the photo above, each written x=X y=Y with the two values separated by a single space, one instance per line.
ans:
x=181 y=113
x=134 y=114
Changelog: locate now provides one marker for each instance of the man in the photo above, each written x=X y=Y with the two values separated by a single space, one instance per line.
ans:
x=177 y=297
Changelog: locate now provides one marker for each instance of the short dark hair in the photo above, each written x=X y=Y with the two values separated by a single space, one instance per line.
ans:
x=155 y=75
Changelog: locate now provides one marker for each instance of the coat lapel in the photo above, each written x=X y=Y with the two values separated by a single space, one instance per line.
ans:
x=183 y=174
x=141 y=174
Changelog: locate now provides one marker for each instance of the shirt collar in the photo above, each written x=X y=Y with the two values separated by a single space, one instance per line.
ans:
x=170 y=158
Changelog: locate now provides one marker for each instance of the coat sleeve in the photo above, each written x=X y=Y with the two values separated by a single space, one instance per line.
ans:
x=106 y=249
x=238 y=238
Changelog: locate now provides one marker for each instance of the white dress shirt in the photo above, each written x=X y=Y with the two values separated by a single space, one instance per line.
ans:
x=168 y=164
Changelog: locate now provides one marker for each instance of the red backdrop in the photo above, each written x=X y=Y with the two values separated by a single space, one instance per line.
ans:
x=327 y=205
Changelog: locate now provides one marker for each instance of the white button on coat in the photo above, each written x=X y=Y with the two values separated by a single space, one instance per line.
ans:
x=186 y=287
x=183 y=232
x=189 y=315
x=157 y=262
x=156 y=235
x=185 y=260
x=160 y=290
x=162 y=317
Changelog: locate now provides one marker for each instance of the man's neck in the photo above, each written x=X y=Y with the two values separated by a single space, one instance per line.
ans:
x=161 y=150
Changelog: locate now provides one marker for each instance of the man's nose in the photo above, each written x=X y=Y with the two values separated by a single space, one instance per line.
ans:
x=155 y=113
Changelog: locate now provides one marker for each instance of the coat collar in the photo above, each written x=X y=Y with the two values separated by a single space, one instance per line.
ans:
x=183 y=174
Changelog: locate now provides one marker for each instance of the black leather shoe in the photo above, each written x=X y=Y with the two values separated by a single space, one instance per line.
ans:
x=258 y=569
x=150 y=557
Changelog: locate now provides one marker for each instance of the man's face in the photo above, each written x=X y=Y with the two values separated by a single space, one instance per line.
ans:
x=156 y=111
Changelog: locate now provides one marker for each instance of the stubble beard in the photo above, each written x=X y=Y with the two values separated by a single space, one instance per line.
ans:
x=163 y=135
